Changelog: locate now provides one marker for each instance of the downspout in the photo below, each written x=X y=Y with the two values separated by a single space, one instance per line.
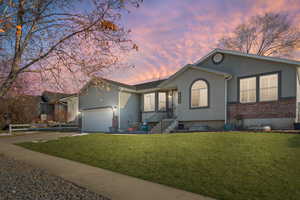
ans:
x=82 y=122
x=119 y=110
x=80 y=117
x=226 y=94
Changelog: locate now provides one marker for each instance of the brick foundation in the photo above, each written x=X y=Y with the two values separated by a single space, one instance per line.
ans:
x=284 y=108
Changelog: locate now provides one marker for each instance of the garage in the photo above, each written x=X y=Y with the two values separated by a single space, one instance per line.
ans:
x=97 y=120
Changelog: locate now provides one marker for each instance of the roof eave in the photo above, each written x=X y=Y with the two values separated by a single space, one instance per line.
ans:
x=211 y=71
x=273 y=59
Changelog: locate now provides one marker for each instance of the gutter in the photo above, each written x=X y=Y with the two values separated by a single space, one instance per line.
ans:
x=97 y=107
x=142 y=90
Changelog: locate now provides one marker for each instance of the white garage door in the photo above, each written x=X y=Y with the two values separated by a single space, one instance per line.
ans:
x=97 y=120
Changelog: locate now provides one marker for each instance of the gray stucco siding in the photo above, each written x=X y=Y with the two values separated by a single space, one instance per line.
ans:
x=239 y=66
x=129 y=109
x=94 y=97
x=298 y=84
x=216 y=109
x=298 y=95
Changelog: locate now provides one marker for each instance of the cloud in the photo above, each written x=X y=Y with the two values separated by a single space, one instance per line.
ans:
x=173 y=33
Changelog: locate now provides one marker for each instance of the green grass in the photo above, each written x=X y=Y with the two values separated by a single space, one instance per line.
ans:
x=220 y=165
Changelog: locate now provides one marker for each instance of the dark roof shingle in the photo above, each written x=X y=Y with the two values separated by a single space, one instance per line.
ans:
x=148 y=85
x=52 y=97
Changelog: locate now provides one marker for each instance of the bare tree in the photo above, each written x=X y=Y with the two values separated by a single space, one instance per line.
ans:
x=271 y=34
x=50 y=37
x=17 y=106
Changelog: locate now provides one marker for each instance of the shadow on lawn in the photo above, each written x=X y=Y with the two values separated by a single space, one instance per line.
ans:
x=294 y=142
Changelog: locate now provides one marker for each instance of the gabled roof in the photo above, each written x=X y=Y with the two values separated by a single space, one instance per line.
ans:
x=107 y=81
x=237 y=53
x=160 y=83
x=190 y=66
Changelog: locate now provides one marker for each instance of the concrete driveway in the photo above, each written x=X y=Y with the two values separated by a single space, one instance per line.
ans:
x=34 y=136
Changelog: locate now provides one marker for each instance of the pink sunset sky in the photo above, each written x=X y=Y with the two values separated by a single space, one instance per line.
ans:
x=172 y=33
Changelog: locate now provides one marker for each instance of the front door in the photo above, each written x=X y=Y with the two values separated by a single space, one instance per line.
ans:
x=172 y=103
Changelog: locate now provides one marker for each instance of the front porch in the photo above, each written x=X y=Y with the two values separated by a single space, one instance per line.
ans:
x=158 y=105
x=159 y=110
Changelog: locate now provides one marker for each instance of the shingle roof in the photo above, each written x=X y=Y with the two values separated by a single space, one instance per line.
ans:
x=141 y=86
x=52 y=97
x=120 y=84
x=148 y=85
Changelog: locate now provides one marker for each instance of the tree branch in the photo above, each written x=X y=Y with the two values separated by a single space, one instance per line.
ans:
x=57 y=44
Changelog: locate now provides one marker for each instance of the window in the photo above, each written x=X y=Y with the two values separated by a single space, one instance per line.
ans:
x=199 y=94
x=162 y=101
x=248 y=90
x=268 y=87
x=149 y=102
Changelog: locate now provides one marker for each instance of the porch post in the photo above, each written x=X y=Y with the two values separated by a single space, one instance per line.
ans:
x=226 y=94
x=225 y=101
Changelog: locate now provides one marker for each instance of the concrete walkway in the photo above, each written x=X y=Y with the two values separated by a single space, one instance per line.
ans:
x=110 y=184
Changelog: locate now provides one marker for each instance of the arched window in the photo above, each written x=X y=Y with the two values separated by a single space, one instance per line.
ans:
x=199 y=94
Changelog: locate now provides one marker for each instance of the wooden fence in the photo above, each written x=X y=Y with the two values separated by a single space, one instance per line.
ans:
x=19 y=127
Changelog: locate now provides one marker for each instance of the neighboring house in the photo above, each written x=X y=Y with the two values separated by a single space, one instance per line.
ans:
x=58 y=107
x=50 y=106
x=224 y=87
x=22 y=109
x=72 y=105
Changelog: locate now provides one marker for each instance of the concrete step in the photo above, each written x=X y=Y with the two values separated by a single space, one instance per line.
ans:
x=162 y=126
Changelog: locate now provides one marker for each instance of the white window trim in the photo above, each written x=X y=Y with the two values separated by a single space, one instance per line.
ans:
x=200 y=91
x=240 y=91
x=152 y=110
x=258 y=85
x=277 y=98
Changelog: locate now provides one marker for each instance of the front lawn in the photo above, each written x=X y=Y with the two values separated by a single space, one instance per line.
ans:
x=220 y=165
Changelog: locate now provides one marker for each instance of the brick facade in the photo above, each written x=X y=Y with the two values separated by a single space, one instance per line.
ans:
x=284 y=108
